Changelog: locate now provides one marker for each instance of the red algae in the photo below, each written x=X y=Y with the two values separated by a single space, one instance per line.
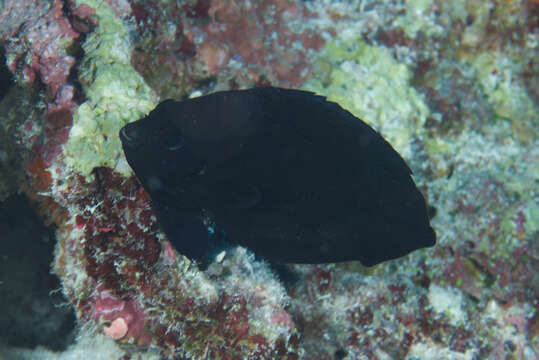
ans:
x=40 y=51
x=227 y=40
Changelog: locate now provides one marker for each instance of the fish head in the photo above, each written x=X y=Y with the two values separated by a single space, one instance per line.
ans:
x=157 y=151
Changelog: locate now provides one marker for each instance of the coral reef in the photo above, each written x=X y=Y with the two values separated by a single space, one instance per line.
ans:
x=453 y=85
x=370 y=83
x=223 y=44
x=38 y=37
x=115 y=92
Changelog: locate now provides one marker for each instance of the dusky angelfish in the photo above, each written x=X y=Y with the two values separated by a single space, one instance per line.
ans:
x=286 y=173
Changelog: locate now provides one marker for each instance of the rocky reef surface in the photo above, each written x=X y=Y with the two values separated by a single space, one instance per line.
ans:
x=453 y=87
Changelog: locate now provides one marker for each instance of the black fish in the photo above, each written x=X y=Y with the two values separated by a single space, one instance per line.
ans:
x=285 y=173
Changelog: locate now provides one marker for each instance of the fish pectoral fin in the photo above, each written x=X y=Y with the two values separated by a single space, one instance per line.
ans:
x=186 y=231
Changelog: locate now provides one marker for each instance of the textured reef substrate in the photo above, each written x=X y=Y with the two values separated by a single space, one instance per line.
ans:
x=453 y=87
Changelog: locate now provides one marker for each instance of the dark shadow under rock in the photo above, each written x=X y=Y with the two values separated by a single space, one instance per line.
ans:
x=32 y=313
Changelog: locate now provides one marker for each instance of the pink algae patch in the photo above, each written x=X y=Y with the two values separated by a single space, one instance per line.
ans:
x=117 y=328
x=123 y=318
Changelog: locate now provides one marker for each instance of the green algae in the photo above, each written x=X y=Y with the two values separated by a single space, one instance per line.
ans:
x=370 y=83
x=116 y=95
x=496 y=73
x=532 y=214
x=417 y=17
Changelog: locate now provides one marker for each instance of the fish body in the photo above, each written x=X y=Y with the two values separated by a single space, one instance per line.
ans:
x=286 y=173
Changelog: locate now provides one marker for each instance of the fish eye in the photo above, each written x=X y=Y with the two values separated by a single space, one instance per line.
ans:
x=174 y=142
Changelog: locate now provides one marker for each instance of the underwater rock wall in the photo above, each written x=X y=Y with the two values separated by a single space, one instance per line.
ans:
x=452 y=85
